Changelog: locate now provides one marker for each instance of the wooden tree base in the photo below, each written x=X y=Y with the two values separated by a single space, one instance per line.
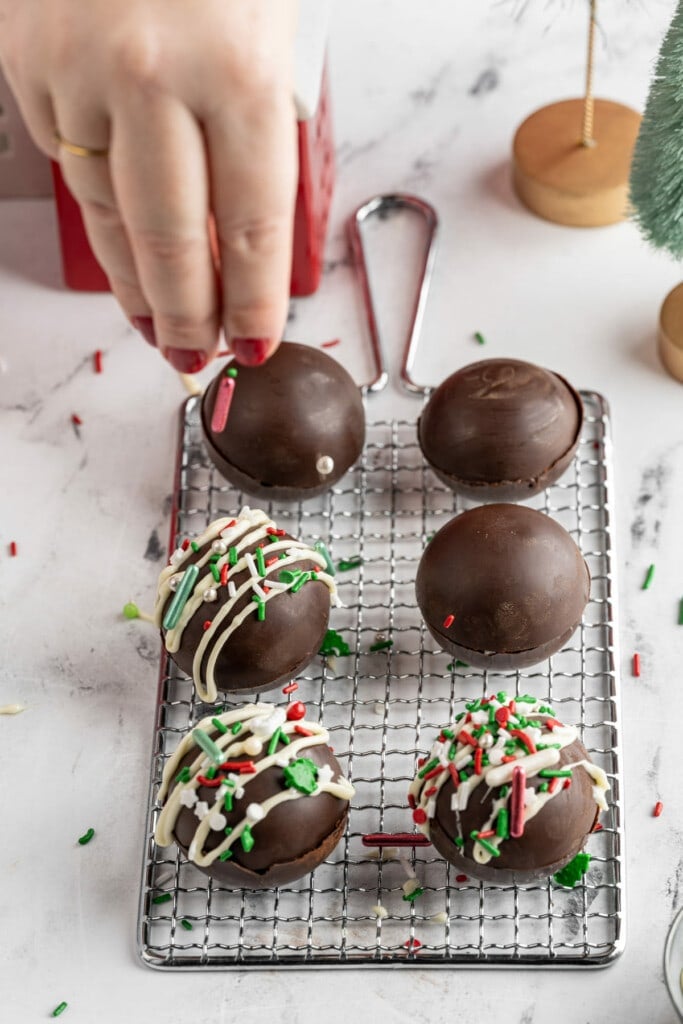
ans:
x=561 y=180
x=671 y=332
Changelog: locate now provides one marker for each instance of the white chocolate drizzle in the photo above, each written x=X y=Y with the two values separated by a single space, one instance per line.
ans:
x=249 y=528
x=260 y=721
x=497 y=738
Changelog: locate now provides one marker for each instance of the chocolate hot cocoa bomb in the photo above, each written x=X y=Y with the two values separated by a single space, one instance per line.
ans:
x=538 y=806
x=293 y=426
x=501 y=429
x=244 y=607
x=254 y=797
x=502 y=586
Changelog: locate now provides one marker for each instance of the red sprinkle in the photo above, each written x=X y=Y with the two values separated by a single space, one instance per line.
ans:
x=517 y=802
x=13 y=549
x=186 y=543
x=421 y=761
x=97 y=361
x=330 y=344
x=233 y=522
x=271 y=561
x=243 y=767
x=448 y=621
x=76 y=420
x=507 y=759
x=486 y=835
x=553 y=723
x=598 y=827
x=553 y=784
x=526 y=740
x=411 y=802
x=477 y=760
x=502 y=716
x=636 y=665
x=465 y=737
x=454 y=775
x=302 y=730
x=276 y=533
x=434 y=772
x=211 y=783
x=431 y=791
x=419 y=815
x=296 y=711
x=513 y=707
x=224 y=574
x=206 y=625
x=461 y=878
x=291 y=687
x=659 y=807
x=567 y=783
x=412 y=944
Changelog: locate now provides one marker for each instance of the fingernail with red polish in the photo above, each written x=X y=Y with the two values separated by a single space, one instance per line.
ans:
x=145 y=325
x=186 y=360
x=251 y=351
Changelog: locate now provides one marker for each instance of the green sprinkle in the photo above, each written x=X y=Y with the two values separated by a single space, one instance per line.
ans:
x=545 y=710
x=212 y=772
x=431 y=537
x=165 y=897
x=204 y=741
x=260 y=562
x=304 y=577
x=283 y=554
x=459 y=842
x=215 y=572
x=427 y=767
x=349 y=563
x=555 y=773
x=227 y=800
x=289 y=575
x=187 y=925
x=195 y=546
x=261 y=614
x=382 y=645
x=574 y=871
x=231 y=371
x=680 y=612
x=301 y=775
x=485 y=844
x=504 y=790
x=502 y=823
x=502 y=697
x=463 y=775
x=130 y=611
x=543 y=788
x=232 y=556
x=218 y=726
x=225 y=855
x=460 y=716
x=183 y=775
x=59 y=1010
x=325 y=555
x=448 y=733
x=274 y=740
x=474 y=705
x=452 y=750
x=228 y=830
x=214 y=558
x=479 y=338
x=410 y=897
x=83 y=840
x=526 y=698
x=180 y=597
x=649 y=576
x=247 y=839
x=236 y=728
x=334 y=644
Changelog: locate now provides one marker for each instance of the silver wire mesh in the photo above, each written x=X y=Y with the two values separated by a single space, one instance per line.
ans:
x=383 y=710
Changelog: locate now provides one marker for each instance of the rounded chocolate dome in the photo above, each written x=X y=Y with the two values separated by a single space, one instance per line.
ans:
x=502 y=586
x=294 y=425
x=501 y=429
x=268 y=809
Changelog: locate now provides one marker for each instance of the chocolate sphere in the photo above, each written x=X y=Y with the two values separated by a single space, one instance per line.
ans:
x=294 y=425
x=254 y=803
x=517 y=820
x=501 y=429
x=502 y=586
x=256 y=611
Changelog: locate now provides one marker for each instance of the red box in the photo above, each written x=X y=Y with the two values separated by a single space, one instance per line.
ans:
x=82 y=272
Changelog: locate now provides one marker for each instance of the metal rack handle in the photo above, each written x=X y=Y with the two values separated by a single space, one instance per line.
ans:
x=380 y=205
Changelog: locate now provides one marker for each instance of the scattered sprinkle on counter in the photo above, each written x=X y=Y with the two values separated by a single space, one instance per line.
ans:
x=636 y=665
x=680 y=612
x=165 y=897
x=76 y=420
x=187 y=925
x=59 y=1010
x=479 y=338
x=381 y=645
x=658 y=808
x=86 y=837
x=649 y=576
x=13 y=550
x=12 y=709
x=380 y=912
x=290 y=688
x=347 y=564
x=461 y=878
x=330 y=344
x=97 y=361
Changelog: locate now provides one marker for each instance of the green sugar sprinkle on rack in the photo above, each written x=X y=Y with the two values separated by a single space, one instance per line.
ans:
x=649 y=576
x=349 y=563
x=680 y=612
x=84 y=839
x=187 y=925
x=382 y=645
x=479 y=338
x=59 y=1010
x=165 y=897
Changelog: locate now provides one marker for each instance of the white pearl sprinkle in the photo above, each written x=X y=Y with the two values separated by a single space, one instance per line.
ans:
x=486 y=740
x=219 y=547
x=255 y=812
x=325 y=465
x=210 y=594
x=253 y=746
x=217 y=822
x=174 y=581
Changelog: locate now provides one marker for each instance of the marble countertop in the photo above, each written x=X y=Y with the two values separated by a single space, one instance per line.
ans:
x=424 y=102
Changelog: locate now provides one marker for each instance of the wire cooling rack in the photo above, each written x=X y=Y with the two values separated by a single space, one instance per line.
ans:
x=383 y=710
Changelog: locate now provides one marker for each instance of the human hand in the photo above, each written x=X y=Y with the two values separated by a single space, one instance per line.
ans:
x=192 y=106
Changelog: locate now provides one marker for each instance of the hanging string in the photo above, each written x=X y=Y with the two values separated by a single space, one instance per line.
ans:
x=587 y=138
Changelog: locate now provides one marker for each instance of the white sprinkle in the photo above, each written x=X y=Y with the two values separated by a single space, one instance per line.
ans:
x=177 y=556
x=188 y=798
x=486 y=740
x=265 y=725
x=239 y=792
x=282 y=759
x=380 y=912
x=255 y=813
x=4 y=365
x=496 y=756
x=379 y=709
x=192 y=852
x=202 y=809
x=332 y=664
x=217 y=821
x=12 y=709
x=439 y=918
x=232 y=591
x=324 y=775
x=529 y=795
x=410 y=886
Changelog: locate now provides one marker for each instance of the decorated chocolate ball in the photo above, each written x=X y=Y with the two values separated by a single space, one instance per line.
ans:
x=502 y=586
x=287 y=430
x=501 y=429
x=244 y=607
x=254 y=797
x=508 y=793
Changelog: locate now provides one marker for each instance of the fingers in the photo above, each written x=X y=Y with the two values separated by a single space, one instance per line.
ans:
x=159 y=177
x=253 y=169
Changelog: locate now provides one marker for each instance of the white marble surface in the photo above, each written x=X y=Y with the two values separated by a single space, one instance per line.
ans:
x=425 y=102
